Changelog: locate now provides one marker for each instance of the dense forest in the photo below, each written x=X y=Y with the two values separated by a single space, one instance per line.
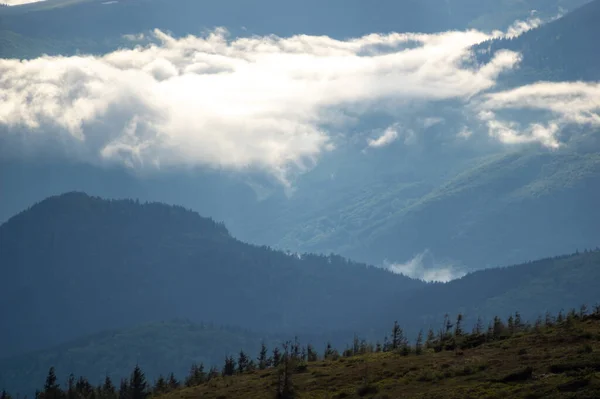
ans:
x=112 y=264
x=562 y=50
x=524 y=371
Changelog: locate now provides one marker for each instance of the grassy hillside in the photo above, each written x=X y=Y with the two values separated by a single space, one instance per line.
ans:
x=560 y=361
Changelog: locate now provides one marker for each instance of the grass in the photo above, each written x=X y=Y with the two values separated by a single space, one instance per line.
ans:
x=556 y=362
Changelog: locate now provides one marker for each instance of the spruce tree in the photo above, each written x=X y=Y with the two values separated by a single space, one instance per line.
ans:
x=160 y=386
x=396 y=336
x=71 y=392
x=311 y=353
x=108 y=389
x=229 y=367
x=124 y=389
x=243 y=361
x=285 y=387
x=458 y=327
x=173 y=383
x=51 y=387
x=478 y=328
x=430 y=339
x=276 y=357
x=138 y=387
x=84 y=388
x=263 y=361
x=419 y=343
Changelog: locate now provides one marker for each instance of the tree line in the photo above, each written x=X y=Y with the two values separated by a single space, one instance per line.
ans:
x=291 y=357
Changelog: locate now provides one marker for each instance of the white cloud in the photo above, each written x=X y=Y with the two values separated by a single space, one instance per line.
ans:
x=257 y=102
x=432 y=121
x=424 y=267
x=520 y=27
x=18 y=2
x=561 y=104
x=388 y=137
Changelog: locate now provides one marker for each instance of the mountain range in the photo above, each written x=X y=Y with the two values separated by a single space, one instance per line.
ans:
x=80 y=265
x=455 y=199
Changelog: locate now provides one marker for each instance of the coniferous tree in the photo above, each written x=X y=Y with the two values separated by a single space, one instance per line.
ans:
x=196 y=375
x=549 y=321
x=5 y=395
x=583 y=310
x=276 y=358
x=498 y=327
x=229 y=367
x=243 y=361
x=429 y=342
x=213 y=373
x=138 y=387
x=397 y=334
x=447 y=326
x=160 y=386
x=173 y=382
x=518 y=322
x=511 y=325
x=263 y=361
x=108 y=389
x=51 y=387
x=458 y=326
x=71 y=392
x=419 y=343
x=311 y=353
x=386 y=344
x=84 y=388
x=124 y=389
x=478 y=328
x=285 y=387
x=296 y=349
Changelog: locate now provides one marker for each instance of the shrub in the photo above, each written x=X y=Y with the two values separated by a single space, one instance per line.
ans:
x=367 y=389
x=521 y=375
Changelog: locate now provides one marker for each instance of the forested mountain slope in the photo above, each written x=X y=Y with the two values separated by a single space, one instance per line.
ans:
x=78 y=265
x=155 y=347
x=507 y=208
x=566 y=49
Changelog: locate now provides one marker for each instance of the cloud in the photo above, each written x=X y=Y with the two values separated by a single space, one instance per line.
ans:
x=388 y=137
x=559 y=105
x=267 y=103
x=19 y=2
x=424 y=267
x=520 y=27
